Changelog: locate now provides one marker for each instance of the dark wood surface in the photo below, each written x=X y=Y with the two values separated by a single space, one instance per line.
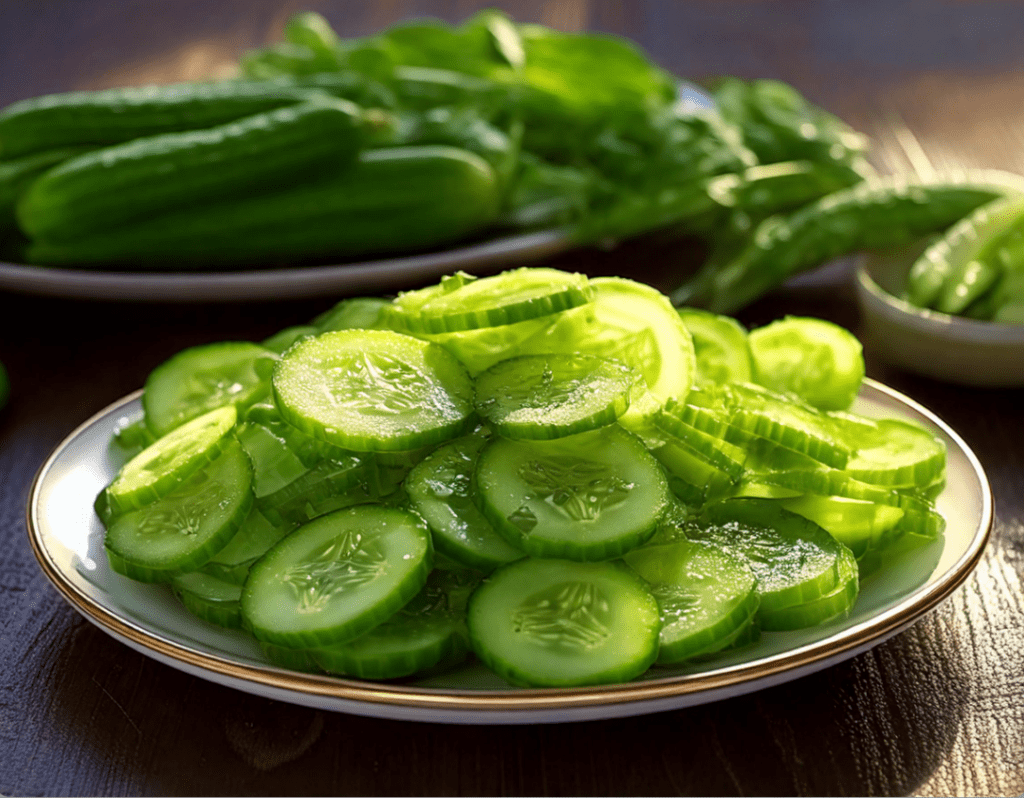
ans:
x=937 y=710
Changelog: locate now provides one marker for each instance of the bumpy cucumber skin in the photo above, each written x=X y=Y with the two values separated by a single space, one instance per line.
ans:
x=111 y=116
x=109 y=187
x=391 y=200
x=18 y=174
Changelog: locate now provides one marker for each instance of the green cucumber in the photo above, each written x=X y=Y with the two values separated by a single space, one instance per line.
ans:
x=111 y=116
x=373 y=390
x=559 y=623
x=337 y=577
x=209 y=598
x=183 y=530
x=390 y=200
x=108 y=188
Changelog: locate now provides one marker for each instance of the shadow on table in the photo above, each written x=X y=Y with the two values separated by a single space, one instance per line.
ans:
x=868 y=726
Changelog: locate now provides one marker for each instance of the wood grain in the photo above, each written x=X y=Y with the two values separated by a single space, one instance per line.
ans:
x=937 y=710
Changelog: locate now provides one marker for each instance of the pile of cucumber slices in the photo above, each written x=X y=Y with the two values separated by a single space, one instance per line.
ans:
x=567 y=478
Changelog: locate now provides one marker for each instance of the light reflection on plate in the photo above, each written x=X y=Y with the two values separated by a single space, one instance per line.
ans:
x=67 y=540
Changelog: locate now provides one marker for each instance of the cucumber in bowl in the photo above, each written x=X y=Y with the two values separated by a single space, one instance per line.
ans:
x=537 y=474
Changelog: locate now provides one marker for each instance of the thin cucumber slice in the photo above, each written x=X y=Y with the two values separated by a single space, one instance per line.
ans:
x=554 y=395
x=441 y=490
x=463 y=302
x=202 y=378
x=720 y=344
x=814 y=359
x=373 y=390
x=429 y=629
x=720 y=453
x=591 y=496
x=209 y=598
x=253 y=539
x=337 y=577
x=691 y=477
x=319 y=490
x=794 y=559
x=763 y=412
x=896 y=453
x=275 y=464
x=705 y=595
x=832 y=606
x=559 y=623
x=165 y=464
x=188 y=526
x=355 y=313
x=294 y=659
x=831 y=482
x=855 y=523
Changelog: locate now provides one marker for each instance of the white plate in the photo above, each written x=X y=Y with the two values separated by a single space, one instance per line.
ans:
x=301 y=282
x=67 y=539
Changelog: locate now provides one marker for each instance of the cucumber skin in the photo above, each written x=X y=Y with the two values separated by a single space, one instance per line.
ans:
x=390 y=200
x=109 y=187
x=111 y=116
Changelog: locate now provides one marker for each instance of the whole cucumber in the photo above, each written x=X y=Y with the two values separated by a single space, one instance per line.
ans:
x=109 y=187
x=110 y=116
x=17 y=175
x=390 y=200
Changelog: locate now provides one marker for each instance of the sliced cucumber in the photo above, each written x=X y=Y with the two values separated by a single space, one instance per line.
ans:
x=705 y=595
x=337 y=577
x=441 y=490
x=373 y=390
x=209 y=598
x=591 y=496
x=856 y=523
x=558 y=623
x=165 y=464
x=188 y=526
x=202 y=378
x=554 y=395
x=832 y=606
x=794 y=559
x=814 y=359
x=463 y=302
x=895 y=453
x=253 y=539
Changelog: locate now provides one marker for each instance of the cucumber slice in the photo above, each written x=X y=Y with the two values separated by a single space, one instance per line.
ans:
x=319 y=490
x=559 y=623
x=787 y=422
x=551 y=396
x=441 y=491
x=337 y=577
x=591 y=496
x=720 y=345
x=373 y=390
x=184 y=529
x=705 y=595
x=794 y=559
x=209 y=598
x=294 y=659
x=275 y=464
x=814 y=359
x=355 y=313
x=831 y=482
x=463 y=302
x=855 y=523
x=202 y=378
x=430 y=629
x=895 y=453
x=832 y=606
x=691 y=477
x=165 y=464
x=720 y=453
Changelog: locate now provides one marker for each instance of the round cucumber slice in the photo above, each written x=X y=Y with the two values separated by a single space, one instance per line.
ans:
x=558 y=623
x=337 y=577
x=554 y=395
x=165 y=464
x=720 y=345
x=814 y=359
x=855 y=523
x=373 y=390
x=835 y=604
x=441 y=490
x=188 y=526
x=794 y=559
x=591 y=496
x=202 y=378
x=463 y=302
x=705 y=595
x=895 y=453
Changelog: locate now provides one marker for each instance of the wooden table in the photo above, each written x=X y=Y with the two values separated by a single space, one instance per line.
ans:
x=939 y=709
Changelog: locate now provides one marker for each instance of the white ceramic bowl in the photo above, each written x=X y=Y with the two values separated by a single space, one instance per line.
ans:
x=948 y=348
